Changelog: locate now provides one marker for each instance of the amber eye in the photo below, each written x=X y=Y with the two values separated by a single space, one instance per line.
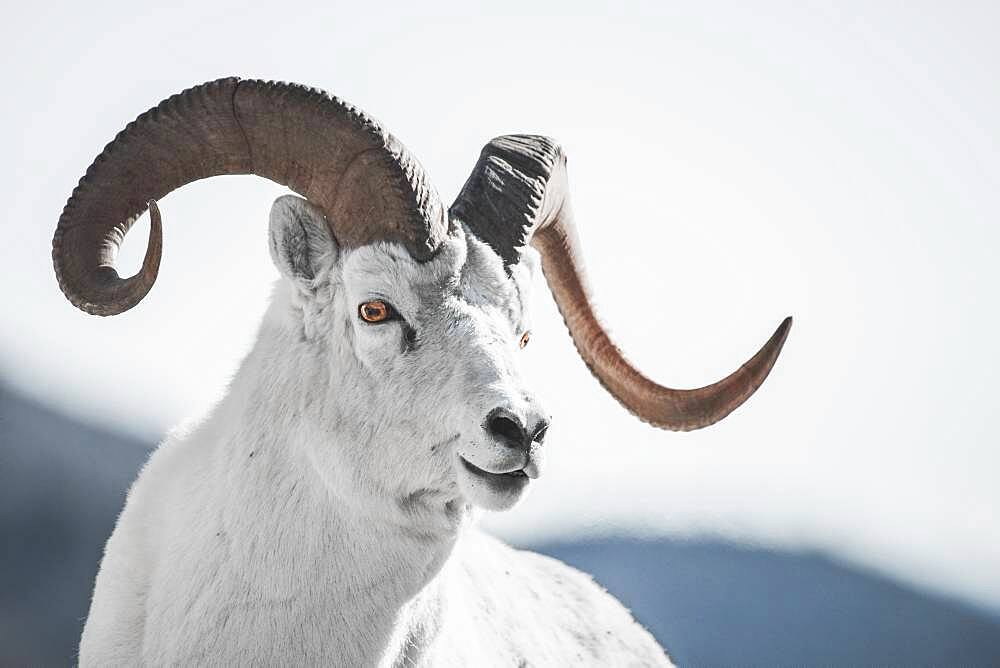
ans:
x=524 y=339
x=376 y=311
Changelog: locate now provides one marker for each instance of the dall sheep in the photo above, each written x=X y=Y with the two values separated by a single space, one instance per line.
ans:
x=323 y=512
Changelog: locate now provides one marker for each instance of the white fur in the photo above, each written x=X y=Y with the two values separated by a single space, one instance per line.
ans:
x=320 y=515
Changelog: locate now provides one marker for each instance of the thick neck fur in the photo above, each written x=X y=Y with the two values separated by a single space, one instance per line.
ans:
x=350 y=557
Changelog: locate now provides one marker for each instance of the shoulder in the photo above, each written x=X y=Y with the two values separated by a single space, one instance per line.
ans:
x=582 y=603
x=557 y=612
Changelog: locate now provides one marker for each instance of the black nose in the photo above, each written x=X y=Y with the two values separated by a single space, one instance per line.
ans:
x=507 y=428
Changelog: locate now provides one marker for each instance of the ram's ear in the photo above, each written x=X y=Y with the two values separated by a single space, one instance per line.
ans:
x=302 y=247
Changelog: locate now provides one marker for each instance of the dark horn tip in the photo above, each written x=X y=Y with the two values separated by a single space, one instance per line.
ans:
x=154 y=248
x=758 y=369
x=783 y=329
x=767 y=356
x=780 y=335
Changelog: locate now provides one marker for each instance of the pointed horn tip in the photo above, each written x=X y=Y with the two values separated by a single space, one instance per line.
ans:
x=154 y=248
x=767 y=356
x=782 y=331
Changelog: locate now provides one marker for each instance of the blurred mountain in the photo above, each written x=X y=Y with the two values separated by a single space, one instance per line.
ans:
x=717 y=604
x=62 y=483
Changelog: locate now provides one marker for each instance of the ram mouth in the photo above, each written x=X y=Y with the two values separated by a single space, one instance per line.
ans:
x=497 y=481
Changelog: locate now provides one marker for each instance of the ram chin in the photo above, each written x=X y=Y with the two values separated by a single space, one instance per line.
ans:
x=491 y=491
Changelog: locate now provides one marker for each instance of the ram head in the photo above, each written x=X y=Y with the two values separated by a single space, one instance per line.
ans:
x=404 y=318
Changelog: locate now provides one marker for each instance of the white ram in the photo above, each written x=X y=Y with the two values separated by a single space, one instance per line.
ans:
x=322 y=513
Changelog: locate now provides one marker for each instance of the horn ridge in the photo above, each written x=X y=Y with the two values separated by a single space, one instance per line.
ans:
x=503 y=196
x=327 y=150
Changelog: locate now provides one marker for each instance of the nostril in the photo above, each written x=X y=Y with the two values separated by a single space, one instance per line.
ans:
x=507 y=430
x=540 y=432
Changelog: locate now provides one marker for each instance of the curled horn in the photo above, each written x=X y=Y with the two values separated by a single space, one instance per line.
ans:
x=518 y=194
x=363 y=178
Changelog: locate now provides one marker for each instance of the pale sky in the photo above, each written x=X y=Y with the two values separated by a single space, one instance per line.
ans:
x=729 y=166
